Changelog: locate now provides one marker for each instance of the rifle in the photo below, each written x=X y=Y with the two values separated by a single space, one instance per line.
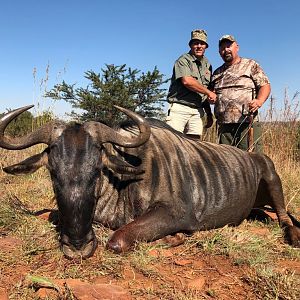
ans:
x=250 y=133
x=250 y=129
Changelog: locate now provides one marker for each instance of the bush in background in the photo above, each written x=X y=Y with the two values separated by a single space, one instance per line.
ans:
x=116 y=85
x=26 y=122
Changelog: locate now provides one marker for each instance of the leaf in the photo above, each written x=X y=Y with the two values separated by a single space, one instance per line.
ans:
x=41 y=282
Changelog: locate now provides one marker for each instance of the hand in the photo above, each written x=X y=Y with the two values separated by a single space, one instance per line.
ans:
x=254 y=105
x=209 y=121
x=212 y=97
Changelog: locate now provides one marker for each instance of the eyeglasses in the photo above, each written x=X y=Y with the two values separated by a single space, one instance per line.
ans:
x=197 y=42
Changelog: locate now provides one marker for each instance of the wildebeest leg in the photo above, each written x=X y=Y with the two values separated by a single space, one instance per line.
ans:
x=153 y=225
x=270 y=193
x=173 y=240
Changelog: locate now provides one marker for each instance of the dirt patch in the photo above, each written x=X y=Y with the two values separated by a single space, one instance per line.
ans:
x=288 y=266
x=83 y=290
x=260 y=231
x=187 y=271
x=196 y=273
x=8 y=243
x=3 y=294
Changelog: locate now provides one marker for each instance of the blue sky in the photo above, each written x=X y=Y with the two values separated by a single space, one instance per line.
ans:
x=72 y=36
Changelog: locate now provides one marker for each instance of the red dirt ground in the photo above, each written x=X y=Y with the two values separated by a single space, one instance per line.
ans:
x=207 y=276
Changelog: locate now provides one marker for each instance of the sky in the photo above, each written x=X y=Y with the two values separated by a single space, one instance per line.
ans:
x=45 y=42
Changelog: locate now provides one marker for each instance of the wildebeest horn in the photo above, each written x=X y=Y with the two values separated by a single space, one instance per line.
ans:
x=106 y=134
x=41 y=135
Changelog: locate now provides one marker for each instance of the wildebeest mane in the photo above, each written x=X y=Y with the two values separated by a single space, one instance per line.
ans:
x=127 y=124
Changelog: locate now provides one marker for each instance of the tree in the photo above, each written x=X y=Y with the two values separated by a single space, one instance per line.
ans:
x=20 y=125
x=26 y=122
x=116 y=86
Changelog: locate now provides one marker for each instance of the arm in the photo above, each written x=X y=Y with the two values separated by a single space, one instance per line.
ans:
x=262 y=96
x=192 y=84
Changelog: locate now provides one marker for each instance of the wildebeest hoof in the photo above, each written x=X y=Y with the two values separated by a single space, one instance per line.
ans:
x=117 y=243
x=292 y=235
x=115 y=247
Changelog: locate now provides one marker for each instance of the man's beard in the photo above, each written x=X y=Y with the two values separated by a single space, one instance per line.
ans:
x=228 y=57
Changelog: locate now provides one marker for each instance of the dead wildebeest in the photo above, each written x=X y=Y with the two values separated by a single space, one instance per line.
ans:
x=145 y=180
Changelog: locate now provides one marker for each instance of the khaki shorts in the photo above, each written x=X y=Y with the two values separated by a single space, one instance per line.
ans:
x=185 y=119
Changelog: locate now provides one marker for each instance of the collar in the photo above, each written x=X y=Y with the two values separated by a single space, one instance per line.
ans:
x=195 y=58
x=236 y=63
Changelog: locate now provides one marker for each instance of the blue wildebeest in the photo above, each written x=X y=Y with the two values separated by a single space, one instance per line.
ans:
x=145 y=181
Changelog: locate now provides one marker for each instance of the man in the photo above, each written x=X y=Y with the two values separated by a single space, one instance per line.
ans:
x=188 y=90
x=242 y=87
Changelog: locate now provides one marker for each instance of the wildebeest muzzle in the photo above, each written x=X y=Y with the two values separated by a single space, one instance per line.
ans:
x=79 y=248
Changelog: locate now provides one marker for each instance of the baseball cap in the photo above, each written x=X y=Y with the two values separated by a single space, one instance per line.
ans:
x=227 y=37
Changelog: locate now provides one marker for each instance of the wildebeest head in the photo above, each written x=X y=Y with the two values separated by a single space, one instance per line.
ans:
x=75 y=157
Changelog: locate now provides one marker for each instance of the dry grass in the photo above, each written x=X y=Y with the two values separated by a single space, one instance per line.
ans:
x=281 y=142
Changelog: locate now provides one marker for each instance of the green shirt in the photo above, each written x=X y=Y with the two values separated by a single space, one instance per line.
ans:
x=189 y=65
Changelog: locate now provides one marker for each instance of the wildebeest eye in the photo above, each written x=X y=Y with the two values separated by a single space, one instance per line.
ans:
x=52 y=147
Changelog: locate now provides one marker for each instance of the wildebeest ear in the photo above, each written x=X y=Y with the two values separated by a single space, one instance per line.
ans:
x=29 y=165
x=118 y=165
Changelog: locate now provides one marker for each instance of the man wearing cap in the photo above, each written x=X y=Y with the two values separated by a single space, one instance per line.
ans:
x=241 y=87
x=188 y=92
